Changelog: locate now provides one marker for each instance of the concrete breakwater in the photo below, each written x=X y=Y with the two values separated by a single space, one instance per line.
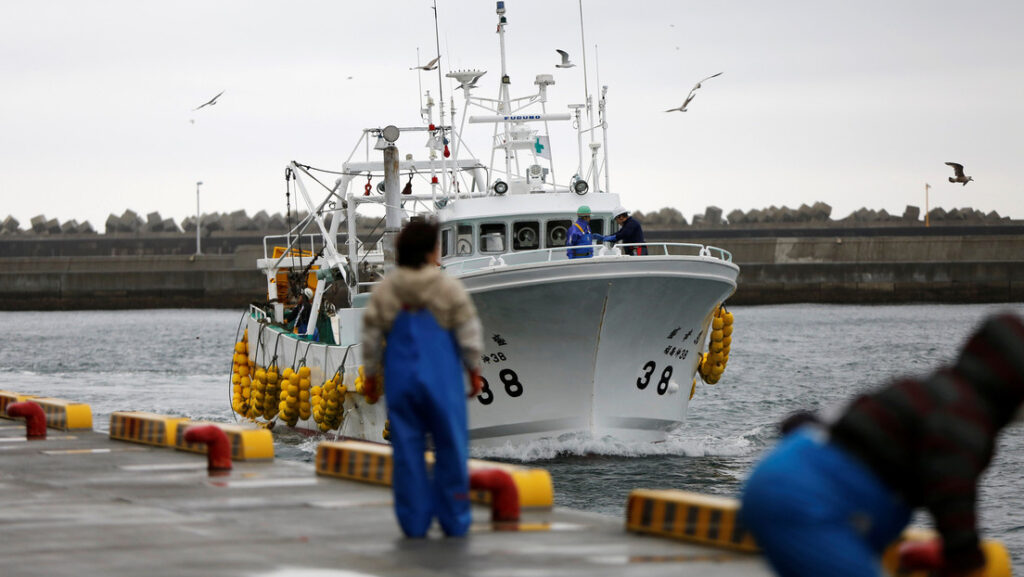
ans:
x=829 y=265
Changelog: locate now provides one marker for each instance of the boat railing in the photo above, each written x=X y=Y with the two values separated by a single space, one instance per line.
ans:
x=258 y=313
x=315 y=243
x=680 y=249
x=561 y=254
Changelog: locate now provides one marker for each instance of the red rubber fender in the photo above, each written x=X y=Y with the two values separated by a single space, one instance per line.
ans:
x=504 y=493
x=35 y=419
x=218 y=447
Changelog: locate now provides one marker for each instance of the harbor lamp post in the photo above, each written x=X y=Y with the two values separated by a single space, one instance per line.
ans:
x=198 y=222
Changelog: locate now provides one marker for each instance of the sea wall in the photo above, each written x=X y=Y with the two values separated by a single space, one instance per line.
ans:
x=878 y=269
x=122 y=282
x=889 y=265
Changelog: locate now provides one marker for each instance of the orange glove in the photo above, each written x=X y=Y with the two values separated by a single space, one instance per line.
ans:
x=370 y=389
x=476 y=383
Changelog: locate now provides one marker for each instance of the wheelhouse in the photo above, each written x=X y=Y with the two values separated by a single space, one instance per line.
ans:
x=474 y=237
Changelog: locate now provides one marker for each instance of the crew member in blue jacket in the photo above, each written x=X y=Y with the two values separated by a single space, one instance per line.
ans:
x=629 y=232
x=580 y=235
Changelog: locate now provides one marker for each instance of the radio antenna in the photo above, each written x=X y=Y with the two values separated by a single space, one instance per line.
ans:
x=440 y=78
x=419 y=81
x=586 y=85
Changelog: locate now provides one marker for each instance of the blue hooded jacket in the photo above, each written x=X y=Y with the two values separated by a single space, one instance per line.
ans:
x=580 y=235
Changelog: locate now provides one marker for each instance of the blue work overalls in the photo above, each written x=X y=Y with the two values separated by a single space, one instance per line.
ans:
x=426 y=394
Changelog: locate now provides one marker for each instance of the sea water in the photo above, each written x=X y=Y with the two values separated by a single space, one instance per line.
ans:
x=784 y=358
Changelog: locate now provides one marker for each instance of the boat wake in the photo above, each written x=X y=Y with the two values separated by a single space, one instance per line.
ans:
x=578 y=445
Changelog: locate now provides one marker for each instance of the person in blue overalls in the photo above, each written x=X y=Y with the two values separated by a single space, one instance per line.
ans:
x=432 y=333
x=629 y=232
x=580 y=235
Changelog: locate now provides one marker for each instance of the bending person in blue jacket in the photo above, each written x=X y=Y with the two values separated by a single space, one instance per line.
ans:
x=432 y=333
x=629 y=232
x=580 y=235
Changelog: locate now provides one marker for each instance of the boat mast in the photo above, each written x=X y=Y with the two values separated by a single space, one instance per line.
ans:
x=594 y=145
x=505 y=105
x=445 y=185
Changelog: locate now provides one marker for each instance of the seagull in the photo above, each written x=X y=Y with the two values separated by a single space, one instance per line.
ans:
x=958 y=169
x=565 y=60
x=209 y=102
x=471 y=83
x=428 y=66
x=690 y=96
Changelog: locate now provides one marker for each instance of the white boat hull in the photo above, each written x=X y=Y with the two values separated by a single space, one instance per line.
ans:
x=600 y=347
x=603 y=346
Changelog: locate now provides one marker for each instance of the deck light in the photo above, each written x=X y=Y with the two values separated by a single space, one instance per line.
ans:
x=500 y=187
x=580 y=186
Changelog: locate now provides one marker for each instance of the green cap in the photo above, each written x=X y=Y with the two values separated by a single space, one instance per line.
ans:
x=583 y=211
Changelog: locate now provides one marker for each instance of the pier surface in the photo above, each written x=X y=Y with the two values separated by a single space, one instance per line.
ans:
x=79 y=503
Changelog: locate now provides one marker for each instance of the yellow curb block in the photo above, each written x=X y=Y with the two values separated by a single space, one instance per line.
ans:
x=536 y=490
x=248 y=442
x=997 y=558
x=688 y=516
x=371 y=463
x=8 y=398
x=710 y=520
x=145 y=428
x=60 y=414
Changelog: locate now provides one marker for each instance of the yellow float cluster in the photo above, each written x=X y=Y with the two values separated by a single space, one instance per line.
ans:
x=328 y=401
x=241 y=377
x=360 y=389
x=270 y=388
x=712 y=364
x=294 y=396
x=269 y=393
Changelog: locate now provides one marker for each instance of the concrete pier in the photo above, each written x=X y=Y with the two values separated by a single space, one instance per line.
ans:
x=80 y=503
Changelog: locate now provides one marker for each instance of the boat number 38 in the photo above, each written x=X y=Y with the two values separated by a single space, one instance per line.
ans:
x=509 y=379
x=650 y=368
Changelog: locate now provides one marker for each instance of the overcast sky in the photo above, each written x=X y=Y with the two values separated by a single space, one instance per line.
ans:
x=856 y=104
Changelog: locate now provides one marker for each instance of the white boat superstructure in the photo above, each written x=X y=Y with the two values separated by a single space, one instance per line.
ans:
x=605 y=345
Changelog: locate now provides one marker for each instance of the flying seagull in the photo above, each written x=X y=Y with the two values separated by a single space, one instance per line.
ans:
x=690 y=96
x=471 y=83
x=209 y=102
x=958 y=169
x=428 y=66
x=565 y=60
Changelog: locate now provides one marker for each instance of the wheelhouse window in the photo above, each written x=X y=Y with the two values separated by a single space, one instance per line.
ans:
x=492 y=237
x=446 y=242
x=597 y=226
x=556 y=232
x=526 y=235
x=464 y=243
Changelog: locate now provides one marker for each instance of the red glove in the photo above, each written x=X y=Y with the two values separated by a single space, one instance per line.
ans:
x=476 y=383
x=371 y=390
x=921 y=555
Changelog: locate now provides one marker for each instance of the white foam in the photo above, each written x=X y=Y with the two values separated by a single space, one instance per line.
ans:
x=580 y=445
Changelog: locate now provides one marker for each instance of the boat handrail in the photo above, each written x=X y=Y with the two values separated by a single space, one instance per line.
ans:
x=257 y=313
x=560 y=254
x=313 y=238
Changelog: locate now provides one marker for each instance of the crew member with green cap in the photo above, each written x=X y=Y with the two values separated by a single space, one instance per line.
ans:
x=580 y=235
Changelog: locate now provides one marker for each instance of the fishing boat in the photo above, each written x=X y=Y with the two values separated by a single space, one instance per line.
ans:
x=609 y=345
